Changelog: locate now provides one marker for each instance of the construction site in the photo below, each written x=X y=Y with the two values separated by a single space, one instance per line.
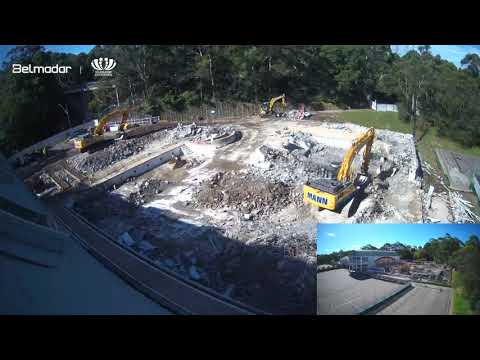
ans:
x=228 y=203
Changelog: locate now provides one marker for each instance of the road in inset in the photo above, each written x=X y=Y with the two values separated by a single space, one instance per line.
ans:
x=339 y=293
x=421 y=300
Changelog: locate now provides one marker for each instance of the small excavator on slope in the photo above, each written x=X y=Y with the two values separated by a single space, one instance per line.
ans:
x=334 y=194
x=268 y=108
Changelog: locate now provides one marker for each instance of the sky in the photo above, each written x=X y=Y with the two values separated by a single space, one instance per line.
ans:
x=453 y=53
x=336 y=237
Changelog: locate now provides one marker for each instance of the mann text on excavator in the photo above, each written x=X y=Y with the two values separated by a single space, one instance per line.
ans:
x=333 y=194
x=267 y=108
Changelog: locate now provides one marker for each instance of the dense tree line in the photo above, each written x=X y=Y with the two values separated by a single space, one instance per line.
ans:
x=332 y=258
x=464 y=257
x=430 y=91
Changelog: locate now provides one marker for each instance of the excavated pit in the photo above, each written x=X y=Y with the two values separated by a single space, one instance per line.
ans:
x=231 y=215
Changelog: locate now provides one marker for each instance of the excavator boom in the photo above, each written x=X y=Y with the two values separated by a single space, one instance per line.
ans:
x=275 y=99
x=333 y=194
x=267 y=108
x=104 y=120
x=344 y=173
x=97 y=136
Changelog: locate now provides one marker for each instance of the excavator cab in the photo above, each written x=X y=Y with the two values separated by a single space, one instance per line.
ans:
x=269 y=108
x=333 y=193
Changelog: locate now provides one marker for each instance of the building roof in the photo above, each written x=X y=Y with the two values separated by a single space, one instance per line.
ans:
x=374 y=253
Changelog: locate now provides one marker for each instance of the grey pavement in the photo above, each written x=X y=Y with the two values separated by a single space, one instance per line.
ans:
x=339 y=293
x=421 y=300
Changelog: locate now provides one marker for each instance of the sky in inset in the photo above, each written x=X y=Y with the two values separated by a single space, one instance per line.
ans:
x=336 y=237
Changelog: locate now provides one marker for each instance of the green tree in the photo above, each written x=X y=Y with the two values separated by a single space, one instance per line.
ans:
x=472 y=64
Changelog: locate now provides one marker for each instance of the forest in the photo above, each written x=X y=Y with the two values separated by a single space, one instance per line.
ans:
x=430 y=92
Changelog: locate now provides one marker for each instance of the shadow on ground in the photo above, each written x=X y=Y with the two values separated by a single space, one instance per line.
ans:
x=359 y=276
x=262 y=276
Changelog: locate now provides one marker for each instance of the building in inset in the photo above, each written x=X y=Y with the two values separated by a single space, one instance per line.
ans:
x=373 y=260
x=344 y=261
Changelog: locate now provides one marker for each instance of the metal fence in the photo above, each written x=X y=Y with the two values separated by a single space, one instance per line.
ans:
x=210 y=112
x=200 y=113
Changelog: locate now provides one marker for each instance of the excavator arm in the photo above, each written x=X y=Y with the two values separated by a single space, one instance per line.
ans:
x=104 y=120
x=275 y=99
x=344 y=173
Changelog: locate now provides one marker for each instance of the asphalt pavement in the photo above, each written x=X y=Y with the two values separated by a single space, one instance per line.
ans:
x=342 y=293
x=423 y=299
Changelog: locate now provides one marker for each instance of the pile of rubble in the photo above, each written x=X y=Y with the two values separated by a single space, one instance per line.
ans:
x=147 y=191
x=42 y=184
x=301 y=159
x=251 y=195
x=90 y=163
x=462 y=209
x=271 y=272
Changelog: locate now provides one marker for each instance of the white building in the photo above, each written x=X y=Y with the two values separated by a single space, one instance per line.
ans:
x=373 y=260
x=344 y=261
x=383 y=107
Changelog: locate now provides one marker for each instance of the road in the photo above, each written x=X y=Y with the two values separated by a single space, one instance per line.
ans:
x=338 y=293
x=421 y=300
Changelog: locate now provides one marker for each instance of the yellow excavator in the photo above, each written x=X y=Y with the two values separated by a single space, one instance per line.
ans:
x=267 y=108
x=96 y=134
x=334 y=194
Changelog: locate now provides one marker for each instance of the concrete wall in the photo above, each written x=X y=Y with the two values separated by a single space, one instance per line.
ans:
x=140 y=169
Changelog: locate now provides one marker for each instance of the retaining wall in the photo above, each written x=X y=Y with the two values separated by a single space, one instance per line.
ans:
x=141 y=167
x=374 y=307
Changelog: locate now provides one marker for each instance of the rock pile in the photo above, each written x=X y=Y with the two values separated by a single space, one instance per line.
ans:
x=147 y=191
x=42 y=183
x=251 y=195
x=89 y=164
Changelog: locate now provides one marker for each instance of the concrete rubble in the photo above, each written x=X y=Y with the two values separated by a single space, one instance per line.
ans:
x=90 y=163
x=442 y=204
